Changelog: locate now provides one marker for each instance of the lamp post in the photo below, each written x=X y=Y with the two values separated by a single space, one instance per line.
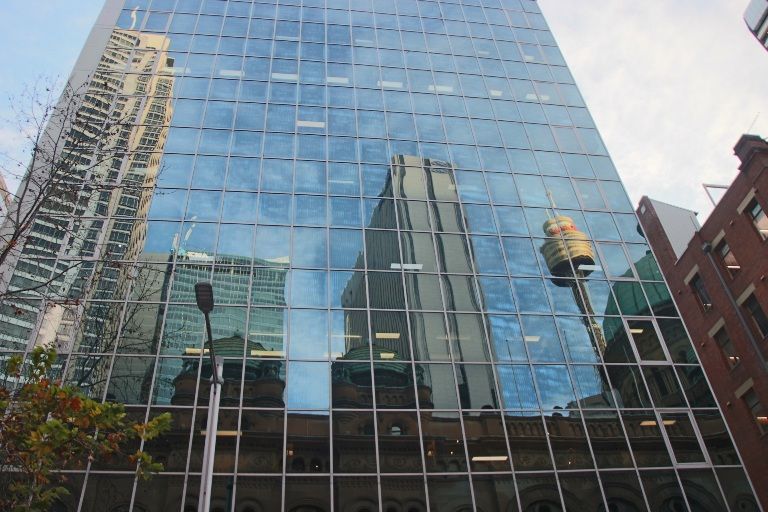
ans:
x=204 y=297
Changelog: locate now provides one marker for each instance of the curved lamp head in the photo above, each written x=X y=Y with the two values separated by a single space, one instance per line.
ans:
x=204 y=297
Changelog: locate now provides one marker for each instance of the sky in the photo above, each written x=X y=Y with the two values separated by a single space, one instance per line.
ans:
x=671 y=84
x=41 y=40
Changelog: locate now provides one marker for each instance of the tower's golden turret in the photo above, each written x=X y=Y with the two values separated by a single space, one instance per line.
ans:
x=570 y=245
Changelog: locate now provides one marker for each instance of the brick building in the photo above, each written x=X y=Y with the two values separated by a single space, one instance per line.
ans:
x=717 y=274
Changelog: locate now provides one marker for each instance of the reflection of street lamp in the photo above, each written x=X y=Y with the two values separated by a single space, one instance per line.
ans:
x=204 y=297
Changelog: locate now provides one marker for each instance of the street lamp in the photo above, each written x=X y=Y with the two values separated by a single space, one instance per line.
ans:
x=204 y=297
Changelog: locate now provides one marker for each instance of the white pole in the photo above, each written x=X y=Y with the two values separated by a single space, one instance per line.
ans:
x=209 y=453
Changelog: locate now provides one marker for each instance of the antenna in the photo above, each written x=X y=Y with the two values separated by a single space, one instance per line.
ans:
x=551 y=199
x=753 y=123
x=708 y=186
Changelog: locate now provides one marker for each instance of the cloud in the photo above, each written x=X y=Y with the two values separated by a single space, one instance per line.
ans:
x=671 y=86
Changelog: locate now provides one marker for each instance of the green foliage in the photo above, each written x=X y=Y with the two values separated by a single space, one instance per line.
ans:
x=46 y=426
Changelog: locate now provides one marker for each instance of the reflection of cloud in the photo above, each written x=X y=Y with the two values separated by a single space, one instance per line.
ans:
x=672 y=86
x=554 y=386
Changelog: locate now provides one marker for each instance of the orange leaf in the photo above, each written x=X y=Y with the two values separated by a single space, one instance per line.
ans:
x=75 y=403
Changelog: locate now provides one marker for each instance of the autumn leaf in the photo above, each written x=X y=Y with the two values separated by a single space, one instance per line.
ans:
x=48 y=426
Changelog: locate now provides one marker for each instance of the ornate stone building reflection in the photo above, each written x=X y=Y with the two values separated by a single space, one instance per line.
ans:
x=307 y=446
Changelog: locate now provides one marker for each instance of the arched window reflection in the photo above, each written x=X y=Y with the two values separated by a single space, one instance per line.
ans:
x=544 y=506
x=674 y=505
x=619 y=505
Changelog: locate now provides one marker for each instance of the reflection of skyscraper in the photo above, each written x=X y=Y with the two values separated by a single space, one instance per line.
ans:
x=127 y=116
x=365 y=186
x=411 y=178
x=232 y=280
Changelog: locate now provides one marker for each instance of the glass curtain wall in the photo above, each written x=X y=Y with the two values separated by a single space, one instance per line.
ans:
x=432 y=293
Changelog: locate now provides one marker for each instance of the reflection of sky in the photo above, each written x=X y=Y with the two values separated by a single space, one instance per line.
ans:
x=161 y=238
x=340 y=336
x=308 y=385
x=579 y=341
x=517 y=389
x=542 y=339
x=589 y=382
x=600 y=297
x=309 y=334
x=507 y=338
x=309 y=288
x=554 y=386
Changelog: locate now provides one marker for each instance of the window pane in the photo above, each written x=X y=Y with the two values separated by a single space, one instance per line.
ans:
x=755 y=212
x=622 y=490
x=398 y=434
x=682 y=437
x=756 y=312
x=468 y=339
x=541 y=338
x=260 y=431
x=568 y=441
x=443 y=445
x=646 y=340
x=446 y=493
x=663 y=385
x=629 y=390
x=645 y=439
x=476 y=387
x=308 y=385
x=440 y=383
x=539 y=492
x=354 y=444
x=390 y=335
x=607 y=438
x=554 y=385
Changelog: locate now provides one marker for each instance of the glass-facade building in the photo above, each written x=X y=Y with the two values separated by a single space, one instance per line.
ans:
x=432 y=293
x=756 y=18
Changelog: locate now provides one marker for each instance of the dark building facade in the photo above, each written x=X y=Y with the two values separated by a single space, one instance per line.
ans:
x=432 y=292
x=717 y=273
